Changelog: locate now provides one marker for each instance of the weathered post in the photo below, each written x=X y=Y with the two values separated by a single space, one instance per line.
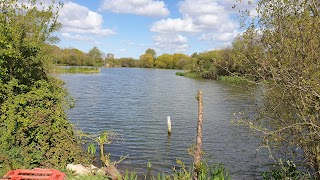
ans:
x=169 y=125
x=197 y=153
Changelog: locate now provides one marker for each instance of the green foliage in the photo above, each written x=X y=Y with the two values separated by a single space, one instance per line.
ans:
x=130 y=176
x=75 y=57
x=128 y=62
x=58 y=69
x=123 y=62
x=165 y=61
x=152 y=52
x=34 y=131
x=146 y=60
x=235 y=79
x=101 y=139
x=205 y=172
x=285 y=171
x=204 y=64
x=95 y=54
x=289 y=67
x=180 y=73
x=23 y=34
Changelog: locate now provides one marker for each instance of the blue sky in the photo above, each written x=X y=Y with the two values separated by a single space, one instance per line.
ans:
x=127 y=28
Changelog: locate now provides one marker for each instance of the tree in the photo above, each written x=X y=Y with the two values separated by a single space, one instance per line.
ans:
x=164 y=61
x=34 y=131
x=146 y=60
x=96 y=56
x=95 y=53
x=247 y=55
x=152 y=52
x=127 y=62
x=205 y=64
x=180 y=61
x=22 y=37
x=289 y=118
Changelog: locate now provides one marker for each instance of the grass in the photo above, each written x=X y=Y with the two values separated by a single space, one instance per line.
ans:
x=62 y=70
x=180 y=172
x=235 y=79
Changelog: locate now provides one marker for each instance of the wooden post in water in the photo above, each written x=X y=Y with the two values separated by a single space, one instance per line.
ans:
x=169 y=125
x=197 y=153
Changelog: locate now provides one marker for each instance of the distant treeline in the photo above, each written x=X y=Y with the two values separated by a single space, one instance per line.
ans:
x=237 y=59
x=148 y=60
x=75 y=57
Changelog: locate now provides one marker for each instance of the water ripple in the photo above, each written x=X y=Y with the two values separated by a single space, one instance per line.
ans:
x=135 y=104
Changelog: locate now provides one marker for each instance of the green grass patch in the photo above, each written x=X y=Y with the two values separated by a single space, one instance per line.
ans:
x=62 y=70
x=235 y=79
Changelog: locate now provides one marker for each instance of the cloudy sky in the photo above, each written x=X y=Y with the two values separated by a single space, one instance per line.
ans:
x=127 y=28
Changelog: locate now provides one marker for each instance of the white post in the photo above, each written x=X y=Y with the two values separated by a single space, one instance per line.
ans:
x=169 y=125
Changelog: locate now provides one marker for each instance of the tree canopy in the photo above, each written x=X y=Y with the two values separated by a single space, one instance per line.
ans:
x=76 y=57
x=285 y=57
x=34 y=130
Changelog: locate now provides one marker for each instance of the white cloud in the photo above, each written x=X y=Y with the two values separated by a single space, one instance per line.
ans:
x=79 y=38
x=200 y=7
x=174 y=42
x=94 y=31
x=77 y=18
x=174 y=25
x=210 y=19
x=123 y=50
x=198 y=16
x=138 y=7
x=223 y=36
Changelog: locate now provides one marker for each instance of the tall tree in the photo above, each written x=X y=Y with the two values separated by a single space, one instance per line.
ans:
x=164 y=61
x=96 y=56
x=290 y=115
x=180 y=61
x=152 y=52
x=146 y=60
x=95 y=53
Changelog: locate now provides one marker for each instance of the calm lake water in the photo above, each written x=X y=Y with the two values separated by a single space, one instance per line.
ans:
x=136 y=102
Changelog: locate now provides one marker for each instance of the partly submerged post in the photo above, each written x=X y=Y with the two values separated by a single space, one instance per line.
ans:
x=169 y=125
x=197 y=154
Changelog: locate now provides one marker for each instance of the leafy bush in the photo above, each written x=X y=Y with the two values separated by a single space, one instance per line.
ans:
x=285 y=171
x=34 y=131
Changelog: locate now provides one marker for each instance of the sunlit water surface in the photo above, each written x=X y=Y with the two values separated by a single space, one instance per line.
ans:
x=136 y=102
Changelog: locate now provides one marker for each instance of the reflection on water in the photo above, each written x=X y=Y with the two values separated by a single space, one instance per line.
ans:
x=135 y=103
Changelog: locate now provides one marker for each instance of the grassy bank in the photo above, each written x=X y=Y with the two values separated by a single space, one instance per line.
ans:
x=61 y=70
x=235 y=79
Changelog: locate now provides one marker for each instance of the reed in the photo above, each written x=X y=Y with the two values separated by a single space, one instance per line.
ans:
x=73 y=70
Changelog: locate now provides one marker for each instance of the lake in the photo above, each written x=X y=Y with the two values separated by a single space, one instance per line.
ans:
x=136 y=102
